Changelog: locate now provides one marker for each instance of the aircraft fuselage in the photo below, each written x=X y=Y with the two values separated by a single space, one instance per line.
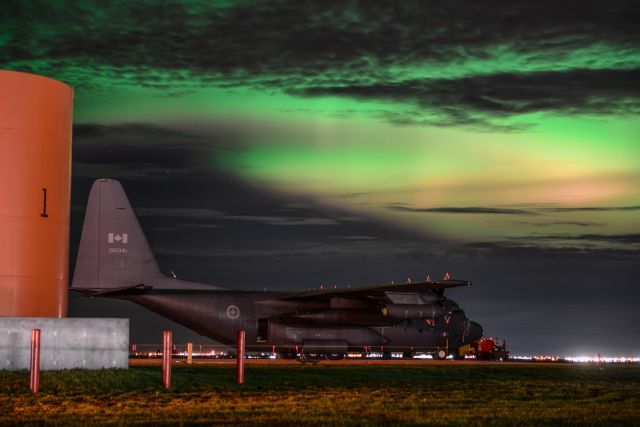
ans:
x=271 y=323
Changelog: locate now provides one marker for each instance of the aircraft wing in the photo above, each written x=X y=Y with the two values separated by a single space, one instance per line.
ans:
x=376 y=290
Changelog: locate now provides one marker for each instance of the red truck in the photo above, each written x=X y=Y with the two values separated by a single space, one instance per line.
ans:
x=485 y=349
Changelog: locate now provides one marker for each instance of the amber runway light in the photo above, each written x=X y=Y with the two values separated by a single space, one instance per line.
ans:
x=35 y=171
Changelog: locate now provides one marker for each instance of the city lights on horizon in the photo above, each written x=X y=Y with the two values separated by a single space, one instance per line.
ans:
x=217 y=352
x=578 y=359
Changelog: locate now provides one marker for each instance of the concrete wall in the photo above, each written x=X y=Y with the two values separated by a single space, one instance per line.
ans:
x=65 y=343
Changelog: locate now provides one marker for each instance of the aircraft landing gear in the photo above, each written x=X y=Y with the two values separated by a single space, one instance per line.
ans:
x=440 y=354
x=334 y=356
x=311 y=355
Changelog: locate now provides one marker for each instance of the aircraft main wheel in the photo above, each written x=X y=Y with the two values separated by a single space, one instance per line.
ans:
x=311 y=356
x=334 y=356
x=440 y=354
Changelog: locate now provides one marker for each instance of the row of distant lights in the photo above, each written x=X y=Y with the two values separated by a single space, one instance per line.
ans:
x=576 y=359
x=579 y=359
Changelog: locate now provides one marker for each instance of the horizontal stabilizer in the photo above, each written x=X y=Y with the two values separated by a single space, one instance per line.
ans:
x=112 y=292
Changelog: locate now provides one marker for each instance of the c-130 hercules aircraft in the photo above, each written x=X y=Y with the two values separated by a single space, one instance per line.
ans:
x=115 y=261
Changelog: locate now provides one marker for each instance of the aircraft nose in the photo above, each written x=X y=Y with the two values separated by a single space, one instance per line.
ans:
x=475 y=331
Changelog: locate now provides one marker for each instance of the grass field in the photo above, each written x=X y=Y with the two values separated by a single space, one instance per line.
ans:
x=500 y=394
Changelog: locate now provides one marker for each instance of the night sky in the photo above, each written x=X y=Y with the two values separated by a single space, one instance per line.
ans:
x=282 y=145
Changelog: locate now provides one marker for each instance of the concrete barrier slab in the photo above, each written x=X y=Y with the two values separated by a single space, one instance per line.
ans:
x=65 y=343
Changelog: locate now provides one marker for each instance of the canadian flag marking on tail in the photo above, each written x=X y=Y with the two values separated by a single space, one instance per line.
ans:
x=118 y=238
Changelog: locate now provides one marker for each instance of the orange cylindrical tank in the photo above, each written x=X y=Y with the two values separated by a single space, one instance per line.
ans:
x=35 y=183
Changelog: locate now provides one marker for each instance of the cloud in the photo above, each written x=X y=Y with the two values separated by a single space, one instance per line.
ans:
x=532 y=209
x=283 y=221
x=591 y=209
x=489 y=98
x=629 y=238
x=157 y=149
x=439 y=63
x=532 y=252
x=196 y=225
x=354 y=195
x=283 y=37
x=461 y=210
x=562 y=223
x=619 y=247
x=142 y=130
x=353 y=238
x=182 y=212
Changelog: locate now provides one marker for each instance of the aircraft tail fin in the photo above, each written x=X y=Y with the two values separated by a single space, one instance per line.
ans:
x=113 y=251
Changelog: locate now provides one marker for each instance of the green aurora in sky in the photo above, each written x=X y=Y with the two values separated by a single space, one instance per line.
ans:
x=286 y=143
x=508 y=124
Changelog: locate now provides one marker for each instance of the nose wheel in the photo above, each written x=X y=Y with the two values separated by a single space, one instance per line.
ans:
x=440 y=354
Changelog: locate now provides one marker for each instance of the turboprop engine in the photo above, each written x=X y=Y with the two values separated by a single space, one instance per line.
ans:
x=412 y=311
